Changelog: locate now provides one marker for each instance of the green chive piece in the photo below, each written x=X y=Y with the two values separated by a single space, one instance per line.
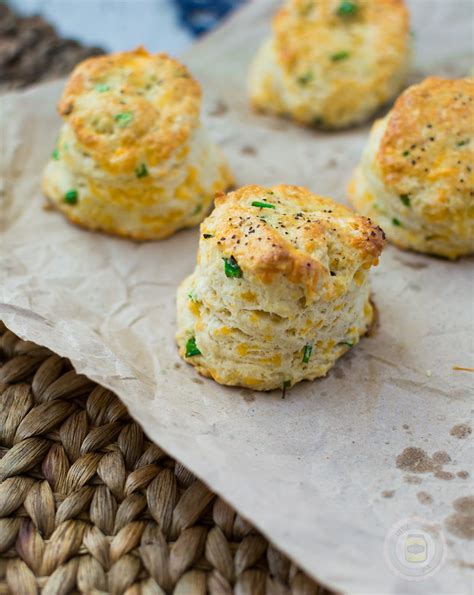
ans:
x=305 y=10
x=123 y=119
x=318 y=121
x=405 y=200
x=348 y=343
x=191 y=347
x=262 y=205
x=406 y=153
x=231 y=268
x=206 y=236
x=71 y=197
x=141 y=171
x=347 y=8
x=197 y=210
x=102 y=88
x=308 y=348
x=304 y=79
x=397 y=222
x=338 y=56
x=55 y=154
x=461 y=143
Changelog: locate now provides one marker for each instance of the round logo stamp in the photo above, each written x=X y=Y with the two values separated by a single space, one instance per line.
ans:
x=414 y=549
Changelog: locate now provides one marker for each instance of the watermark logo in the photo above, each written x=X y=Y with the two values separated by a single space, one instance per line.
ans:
x=414 y=549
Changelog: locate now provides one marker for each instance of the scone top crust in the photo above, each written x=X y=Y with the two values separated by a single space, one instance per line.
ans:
x=429 y=141
x=343 y=37
x=286 y=230
x=130 y=106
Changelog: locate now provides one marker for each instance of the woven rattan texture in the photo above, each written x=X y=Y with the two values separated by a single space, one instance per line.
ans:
x=88 y=504
x=32 y=52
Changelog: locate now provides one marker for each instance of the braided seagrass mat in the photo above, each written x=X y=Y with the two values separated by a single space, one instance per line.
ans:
x=88 y=504
x=31 y=51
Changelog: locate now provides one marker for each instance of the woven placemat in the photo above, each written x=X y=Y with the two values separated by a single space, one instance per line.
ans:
x=31 y=51
x=88 y=504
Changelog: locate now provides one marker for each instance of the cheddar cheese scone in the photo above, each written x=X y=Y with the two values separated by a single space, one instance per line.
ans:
x=133 y=158
x=281 y=287
x=416 y=176
x=332 y=63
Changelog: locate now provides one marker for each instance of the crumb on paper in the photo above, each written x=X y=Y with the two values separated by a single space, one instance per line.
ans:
x=461 y=523
x=461 y=431
x=416 y=460
x=462 y=369
x=425 y=498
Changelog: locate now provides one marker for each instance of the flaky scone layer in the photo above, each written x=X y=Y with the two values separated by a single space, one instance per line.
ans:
x=150 y=207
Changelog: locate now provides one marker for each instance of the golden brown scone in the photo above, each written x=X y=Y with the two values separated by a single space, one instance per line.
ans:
x=416 y=177
x=132 y=156
x=281 y=288
x=332 y=63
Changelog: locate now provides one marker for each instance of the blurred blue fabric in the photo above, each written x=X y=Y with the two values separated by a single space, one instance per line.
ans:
x=200 y=16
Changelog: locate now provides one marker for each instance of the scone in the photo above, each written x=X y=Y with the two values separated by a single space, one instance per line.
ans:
x=133 y=158
x=415 y=178
x=281 y=289
x=332 y=63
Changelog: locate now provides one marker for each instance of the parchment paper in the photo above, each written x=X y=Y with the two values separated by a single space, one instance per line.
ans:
x=316 y=472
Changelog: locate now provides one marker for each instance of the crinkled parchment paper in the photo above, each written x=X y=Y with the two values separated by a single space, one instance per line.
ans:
x=317 y=472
